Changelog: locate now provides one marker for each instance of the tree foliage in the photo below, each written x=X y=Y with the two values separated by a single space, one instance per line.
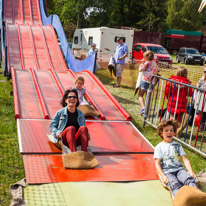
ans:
x=183 y=15
x=155 y=13
x=148 y=15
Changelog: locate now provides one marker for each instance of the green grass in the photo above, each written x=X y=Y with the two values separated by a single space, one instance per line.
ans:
x=11 y=165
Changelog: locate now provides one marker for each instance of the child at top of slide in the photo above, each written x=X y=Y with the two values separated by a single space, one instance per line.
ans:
x=79 y=83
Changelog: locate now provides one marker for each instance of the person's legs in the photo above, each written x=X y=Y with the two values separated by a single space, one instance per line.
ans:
x=119 y=79
x=119 y=70
x=174 y=184
x=82 y=137
x=185 y=178
x=183 y=121
x=202 y=121
x=192 y=114
x=141 y=99
x=68 y=138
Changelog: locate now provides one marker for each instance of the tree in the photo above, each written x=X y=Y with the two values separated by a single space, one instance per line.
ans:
x=183 y=15
x=155 y=14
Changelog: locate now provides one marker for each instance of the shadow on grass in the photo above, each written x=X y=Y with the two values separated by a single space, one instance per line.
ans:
x=124 y=100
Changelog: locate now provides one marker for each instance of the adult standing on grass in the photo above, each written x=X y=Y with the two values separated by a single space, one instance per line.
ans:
x=92 y=50
x=69 y=124
x=121 y=53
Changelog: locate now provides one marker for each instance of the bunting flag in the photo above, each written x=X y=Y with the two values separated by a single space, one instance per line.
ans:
x=202 y=5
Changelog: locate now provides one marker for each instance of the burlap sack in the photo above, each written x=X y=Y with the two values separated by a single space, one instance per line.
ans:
x=202 y=181
x=88 y=110
x=79 y=160
x=189 y=196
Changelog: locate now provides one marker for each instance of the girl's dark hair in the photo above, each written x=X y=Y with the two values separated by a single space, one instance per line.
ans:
x=63 y=103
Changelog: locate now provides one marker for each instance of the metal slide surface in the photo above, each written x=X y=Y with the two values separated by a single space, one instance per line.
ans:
x=107 y=137
x=33 y=47
x=112 y=167
x=22 y=11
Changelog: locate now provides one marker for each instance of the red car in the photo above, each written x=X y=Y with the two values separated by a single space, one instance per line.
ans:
x=161 y=54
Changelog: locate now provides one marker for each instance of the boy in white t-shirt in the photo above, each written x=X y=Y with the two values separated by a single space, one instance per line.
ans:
x=167 y=159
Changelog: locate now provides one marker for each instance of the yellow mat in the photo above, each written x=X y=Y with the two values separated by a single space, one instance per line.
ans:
x=144 y=193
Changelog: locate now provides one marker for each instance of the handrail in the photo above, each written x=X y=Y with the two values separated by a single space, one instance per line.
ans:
x=102 y=117
x=20 y=46
x=58 y=83
x=31 y=13
x=40 y=95
x=33 y=48
x=116 y=103
x=15 y=94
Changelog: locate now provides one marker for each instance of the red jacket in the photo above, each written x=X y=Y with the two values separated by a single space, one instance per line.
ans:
x=183 y=93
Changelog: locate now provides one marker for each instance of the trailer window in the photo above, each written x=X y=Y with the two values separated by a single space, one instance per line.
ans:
x=90 y=41
x=76 y=40
x=115 y=39
x=137 y=48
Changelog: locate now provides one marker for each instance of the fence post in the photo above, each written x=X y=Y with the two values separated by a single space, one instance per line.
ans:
x=147 y=102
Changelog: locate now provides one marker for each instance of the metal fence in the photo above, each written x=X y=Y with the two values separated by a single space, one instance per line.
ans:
x=162 y=105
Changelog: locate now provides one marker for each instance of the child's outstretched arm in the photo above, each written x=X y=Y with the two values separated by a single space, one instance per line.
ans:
x=159 y=170
x=85 y=97
x=188 y=165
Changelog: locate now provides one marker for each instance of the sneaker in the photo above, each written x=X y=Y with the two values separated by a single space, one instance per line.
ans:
x=142 y=111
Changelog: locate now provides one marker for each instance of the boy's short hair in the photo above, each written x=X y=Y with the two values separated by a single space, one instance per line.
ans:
x=79 y=78
x=166 y=123
x=149 y=55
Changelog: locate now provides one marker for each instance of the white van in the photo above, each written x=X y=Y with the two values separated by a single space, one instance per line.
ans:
x=105 y=39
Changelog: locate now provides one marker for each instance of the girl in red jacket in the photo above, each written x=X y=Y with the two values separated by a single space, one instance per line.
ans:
x=177 y=97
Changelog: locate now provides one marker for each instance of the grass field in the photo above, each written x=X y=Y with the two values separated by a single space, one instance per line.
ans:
x=11 y=165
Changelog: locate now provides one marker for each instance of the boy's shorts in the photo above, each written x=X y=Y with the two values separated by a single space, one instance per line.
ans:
x=145 y=85
x=119 y=70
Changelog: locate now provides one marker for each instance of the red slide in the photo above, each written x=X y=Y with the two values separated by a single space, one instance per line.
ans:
x=40 y=76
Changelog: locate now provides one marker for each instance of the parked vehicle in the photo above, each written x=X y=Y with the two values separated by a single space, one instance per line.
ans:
x=105 y=39
x=189 y=56
x=161 y=54
x=175 y=39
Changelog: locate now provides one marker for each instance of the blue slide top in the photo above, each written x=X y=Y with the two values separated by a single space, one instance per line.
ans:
x=74 y=64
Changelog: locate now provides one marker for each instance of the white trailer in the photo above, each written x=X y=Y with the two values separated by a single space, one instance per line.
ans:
x=105 y=39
